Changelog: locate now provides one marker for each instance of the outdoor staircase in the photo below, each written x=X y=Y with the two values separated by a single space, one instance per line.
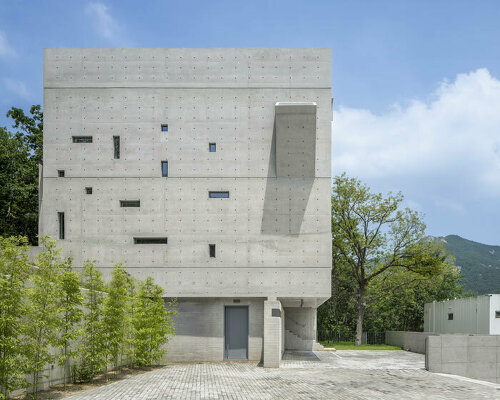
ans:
x=295 y=342
x=318 y=346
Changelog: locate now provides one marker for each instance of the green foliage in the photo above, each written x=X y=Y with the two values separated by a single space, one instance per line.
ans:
x=128 y=350
x=403 y=309
x=31 y=127
x=352 y=346
x=44 y=312
x=43 y=318
x=93 y=350
x=480 y=264
x=373 y=238
x=70 y=303
x=337 y=316
x=19 y=153
x=18 y=187
x=116 y=306
x=152 y=323
x=14 y=272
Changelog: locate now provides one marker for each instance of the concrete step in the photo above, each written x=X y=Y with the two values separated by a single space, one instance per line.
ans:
x=318 y=346
x=295 y=342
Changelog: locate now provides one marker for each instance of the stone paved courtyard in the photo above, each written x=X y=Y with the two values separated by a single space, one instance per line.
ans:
x=303 y=375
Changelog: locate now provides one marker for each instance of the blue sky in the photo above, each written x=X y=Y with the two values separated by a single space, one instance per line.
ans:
x=416 y=83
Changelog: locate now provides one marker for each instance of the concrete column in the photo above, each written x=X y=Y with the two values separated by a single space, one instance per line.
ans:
x=272 y=332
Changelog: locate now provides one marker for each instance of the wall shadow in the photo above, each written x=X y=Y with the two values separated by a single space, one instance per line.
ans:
x=285 y=199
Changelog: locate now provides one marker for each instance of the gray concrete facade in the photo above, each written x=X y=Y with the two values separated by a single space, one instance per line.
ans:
x=268 y=112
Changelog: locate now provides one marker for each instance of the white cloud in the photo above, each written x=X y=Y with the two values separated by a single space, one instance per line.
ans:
x=5 y=49
x=18 y=88
x=447 y=149
x=103 y=22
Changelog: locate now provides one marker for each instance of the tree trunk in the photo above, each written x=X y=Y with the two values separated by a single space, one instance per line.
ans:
x=361 y=305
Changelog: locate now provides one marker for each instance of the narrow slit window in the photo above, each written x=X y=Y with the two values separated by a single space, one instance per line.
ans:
x=150 y=240
x=116 y=146
x=164 y=127
x=130 y=203
x=218 y=195
x=212 y=147
x=60 y=173
x=164 y=168
x=82 y=139
x=60 y=217
x=88 y=190
x=450 y=316
x=211 y=249
x=497 y=314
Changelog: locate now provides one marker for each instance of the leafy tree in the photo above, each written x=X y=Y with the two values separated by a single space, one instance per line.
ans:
x=335 y=316
x=14 y=272
x=374 y=236
x=404 y=309
x=43 y=316
x=116 y=305
x=93 y=350
x=152 y=323
x=19 y=153
x=30 y=127
x=18 y=187
x=70 y=303
x=128 y=351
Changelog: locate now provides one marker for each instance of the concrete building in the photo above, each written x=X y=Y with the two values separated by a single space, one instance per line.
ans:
x=207 y=169
x=480 y=315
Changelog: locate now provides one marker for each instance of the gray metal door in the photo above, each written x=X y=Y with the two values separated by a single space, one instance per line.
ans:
x=236 y=333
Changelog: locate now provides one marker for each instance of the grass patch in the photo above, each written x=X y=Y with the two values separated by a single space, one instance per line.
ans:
x=351 y=346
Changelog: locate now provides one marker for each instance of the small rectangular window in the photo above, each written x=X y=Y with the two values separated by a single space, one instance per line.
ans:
x=150 y=240
x=212 y=147
x=60 y=217
x=497 y=314
x=164 y=168
x=211 y=248
x=450 y=316
x=116 y=145
x=130 y=203
x=60 y=173
x=82 y=139
x=218 y=195
x=164 y=127
x=88 y=190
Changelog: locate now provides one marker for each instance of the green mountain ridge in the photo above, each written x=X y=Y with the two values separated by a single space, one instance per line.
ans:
x=480 y=263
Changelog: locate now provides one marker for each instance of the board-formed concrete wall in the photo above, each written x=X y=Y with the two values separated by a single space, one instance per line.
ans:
x=268 y=111
x=473 y=356
x=273 y=232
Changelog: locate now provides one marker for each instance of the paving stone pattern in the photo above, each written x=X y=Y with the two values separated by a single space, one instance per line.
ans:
x=303 y=375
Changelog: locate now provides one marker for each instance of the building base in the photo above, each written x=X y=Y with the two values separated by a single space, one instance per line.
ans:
x=254 y=329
